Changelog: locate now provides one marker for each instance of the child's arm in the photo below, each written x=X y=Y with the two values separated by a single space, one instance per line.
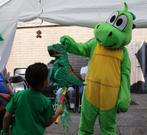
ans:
x=6 y=123
x=10 y=89
x=58 y=112
x=8 y=115
x=5 y=96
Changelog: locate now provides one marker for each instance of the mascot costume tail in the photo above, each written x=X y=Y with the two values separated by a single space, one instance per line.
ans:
x=107 y=87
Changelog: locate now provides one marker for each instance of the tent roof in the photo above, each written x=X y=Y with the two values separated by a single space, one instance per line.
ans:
x=76 y=12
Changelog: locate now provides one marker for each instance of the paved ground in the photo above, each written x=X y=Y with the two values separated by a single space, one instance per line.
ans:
x=134 y=122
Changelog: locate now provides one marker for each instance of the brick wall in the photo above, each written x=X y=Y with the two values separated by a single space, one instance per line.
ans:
x=28 y=49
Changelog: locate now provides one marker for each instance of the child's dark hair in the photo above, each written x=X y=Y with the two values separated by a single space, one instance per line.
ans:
x=35 y=74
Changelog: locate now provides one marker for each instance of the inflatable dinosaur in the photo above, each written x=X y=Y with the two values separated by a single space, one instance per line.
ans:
x=108 y=79
x=61 y=75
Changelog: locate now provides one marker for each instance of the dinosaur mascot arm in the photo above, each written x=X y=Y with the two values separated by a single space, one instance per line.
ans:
x=124 y=98
x=83 y=49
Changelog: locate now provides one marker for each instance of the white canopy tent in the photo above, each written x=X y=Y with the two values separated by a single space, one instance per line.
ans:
x=77 y=12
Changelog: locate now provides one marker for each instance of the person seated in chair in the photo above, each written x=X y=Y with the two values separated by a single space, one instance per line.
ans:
x=5 y=93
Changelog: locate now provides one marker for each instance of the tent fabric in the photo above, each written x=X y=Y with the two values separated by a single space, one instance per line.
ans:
x=20 y=10
x=8 y=31
x=90 y=12
x=136 y=71
x=3 y=2
x=11 y=12
x=77 y=12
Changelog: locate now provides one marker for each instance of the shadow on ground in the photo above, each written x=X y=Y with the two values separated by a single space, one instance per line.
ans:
x=133 y=122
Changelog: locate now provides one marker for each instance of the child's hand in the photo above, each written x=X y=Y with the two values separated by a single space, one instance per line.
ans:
x=59 y=111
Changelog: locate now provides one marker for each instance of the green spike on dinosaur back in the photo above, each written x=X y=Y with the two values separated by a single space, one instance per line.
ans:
x=125 y=6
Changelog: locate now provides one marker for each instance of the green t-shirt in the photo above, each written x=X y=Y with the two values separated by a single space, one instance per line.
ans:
x=31 y=109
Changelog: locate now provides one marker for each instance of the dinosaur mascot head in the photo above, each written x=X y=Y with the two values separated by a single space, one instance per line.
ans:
x=117 y=30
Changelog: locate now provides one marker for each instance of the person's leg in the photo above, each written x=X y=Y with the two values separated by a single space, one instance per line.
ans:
x=2 y=113
x=80 y=93
x=80 y=97
x=88 y=117
x=71 y=96
x=107 y=121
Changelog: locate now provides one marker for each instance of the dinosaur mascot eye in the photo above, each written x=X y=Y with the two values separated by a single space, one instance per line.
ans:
x=121 y=22
x=112 y=18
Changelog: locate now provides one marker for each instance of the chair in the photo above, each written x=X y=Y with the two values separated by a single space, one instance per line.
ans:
x=20 y=72
x=18 y=83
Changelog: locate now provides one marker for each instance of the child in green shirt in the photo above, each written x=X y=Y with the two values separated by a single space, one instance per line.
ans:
x=31 y=109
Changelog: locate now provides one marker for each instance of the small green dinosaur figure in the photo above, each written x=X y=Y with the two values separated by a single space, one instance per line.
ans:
x=107 y=87
x=61 y=74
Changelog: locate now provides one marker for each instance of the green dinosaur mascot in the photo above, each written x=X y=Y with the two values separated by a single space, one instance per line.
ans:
x=108 y=79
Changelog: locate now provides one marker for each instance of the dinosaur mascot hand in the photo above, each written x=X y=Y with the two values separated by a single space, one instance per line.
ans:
x=67 y=40
x=122 y=106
